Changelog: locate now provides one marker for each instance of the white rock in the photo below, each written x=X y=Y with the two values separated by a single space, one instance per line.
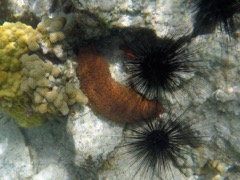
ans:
x=93 y=137
x=15 y=160
x=50 y=173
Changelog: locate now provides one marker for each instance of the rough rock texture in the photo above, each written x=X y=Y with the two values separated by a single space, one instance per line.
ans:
x=15 y=155
x=77 y=146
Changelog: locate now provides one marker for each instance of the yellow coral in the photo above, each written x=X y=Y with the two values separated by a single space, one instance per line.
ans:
x=15 y=39
x=37 y=98
x=56 y=36
x=51 y=24
x=51 y=95
x=48 y=97
x=48 y=66
x=23 y=113
x=32 y=90
x=42 y=108
x=56 y=71
x=9 y=84
x=80 y=97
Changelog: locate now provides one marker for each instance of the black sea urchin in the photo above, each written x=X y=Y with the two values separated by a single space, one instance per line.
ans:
x=210 y=14
x=155 y=145
x=156 y=65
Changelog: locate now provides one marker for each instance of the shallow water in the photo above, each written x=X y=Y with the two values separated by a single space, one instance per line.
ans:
x=80 y=143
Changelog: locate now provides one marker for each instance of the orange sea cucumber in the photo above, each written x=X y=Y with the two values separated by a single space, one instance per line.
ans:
x=108 y=97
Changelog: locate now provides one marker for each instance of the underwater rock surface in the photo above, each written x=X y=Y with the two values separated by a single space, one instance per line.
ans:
x=83 y=145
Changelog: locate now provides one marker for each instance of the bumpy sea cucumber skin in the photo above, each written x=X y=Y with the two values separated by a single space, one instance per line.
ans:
x=108 y=97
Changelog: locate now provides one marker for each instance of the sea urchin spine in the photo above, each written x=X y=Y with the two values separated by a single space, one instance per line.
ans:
x=108 y=97
x=155 y=145
x=209 y=14
x=156 y=65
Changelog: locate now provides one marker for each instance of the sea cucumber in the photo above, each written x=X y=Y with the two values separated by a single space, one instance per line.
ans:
x=109 y=98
